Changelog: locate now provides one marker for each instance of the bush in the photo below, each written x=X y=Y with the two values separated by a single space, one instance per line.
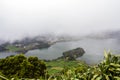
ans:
x=108 y=69
x=22 y=67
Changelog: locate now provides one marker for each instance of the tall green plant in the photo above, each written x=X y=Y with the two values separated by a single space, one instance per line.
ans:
x=108 y=69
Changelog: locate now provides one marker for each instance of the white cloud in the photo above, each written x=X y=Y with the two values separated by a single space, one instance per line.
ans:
x=20 y=17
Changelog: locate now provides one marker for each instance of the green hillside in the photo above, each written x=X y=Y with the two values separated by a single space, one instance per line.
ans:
x=21 y=68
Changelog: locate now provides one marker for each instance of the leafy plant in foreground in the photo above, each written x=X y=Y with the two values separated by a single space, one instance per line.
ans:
x=108 y=69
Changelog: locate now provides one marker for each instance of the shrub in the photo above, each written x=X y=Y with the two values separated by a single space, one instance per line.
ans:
x=108 y=69
x=22 y=67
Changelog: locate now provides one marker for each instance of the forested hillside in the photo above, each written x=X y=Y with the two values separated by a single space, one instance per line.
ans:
x=20 y=67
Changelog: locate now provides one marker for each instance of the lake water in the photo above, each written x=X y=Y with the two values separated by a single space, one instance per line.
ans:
x=5 y=54
x=94 y=49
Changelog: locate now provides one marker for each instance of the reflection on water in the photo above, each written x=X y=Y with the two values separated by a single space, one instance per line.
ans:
x=94 y=49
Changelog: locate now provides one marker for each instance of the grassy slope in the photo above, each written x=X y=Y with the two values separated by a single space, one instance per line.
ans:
x=12 y=48
x=58 y=65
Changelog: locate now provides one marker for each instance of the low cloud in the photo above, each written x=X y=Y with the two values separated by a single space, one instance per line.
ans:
x=20 y=18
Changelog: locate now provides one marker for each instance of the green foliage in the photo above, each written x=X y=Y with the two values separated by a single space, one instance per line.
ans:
x=57 y=66
x=69 y=71
x=22 y=67
x=108 y=69
x=12 y=48
x=2 y=77
x=32 y=67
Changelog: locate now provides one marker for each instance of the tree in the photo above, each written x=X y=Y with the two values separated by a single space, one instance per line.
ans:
x=22 y=67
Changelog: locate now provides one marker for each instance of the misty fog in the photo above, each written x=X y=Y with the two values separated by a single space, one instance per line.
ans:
x=20 y=18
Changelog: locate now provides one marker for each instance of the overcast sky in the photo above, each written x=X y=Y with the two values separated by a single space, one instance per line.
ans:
x=32 y=17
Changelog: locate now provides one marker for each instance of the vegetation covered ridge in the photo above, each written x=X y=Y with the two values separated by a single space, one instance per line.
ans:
x=33 y=68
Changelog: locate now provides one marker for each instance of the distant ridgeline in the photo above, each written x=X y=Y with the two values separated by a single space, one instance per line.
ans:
x=24 y=45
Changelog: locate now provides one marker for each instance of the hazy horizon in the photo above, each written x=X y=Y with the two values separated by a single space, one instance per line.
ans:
x=20 y=18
